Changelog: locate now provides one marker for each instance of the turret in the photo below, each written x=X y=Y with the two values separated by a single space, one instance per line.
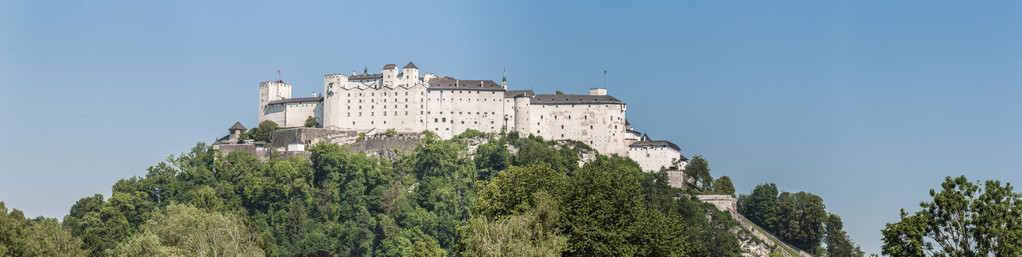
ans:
x=272 y=91
x=410 y=74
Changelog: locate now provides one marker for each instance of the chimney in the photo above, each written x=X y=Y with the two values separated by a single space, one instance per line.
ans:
x=597 y=91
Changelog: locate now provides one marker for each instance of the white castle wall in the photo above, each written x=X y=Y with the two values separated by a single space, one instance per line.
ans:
x=452 y=111
x=599 y=125
x=405 y=102
x=652 y=158
x=271 y=91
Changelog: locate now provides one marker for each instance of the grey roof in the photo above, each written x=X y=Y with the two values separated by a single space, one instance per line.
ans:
x=575 y=99
x=365 y=76
x=297 y=100
x=237 y=126
x=516 y=93
x=683 y=158
x=655 y=143
x=389 y=66
x=452 y=83
x=411 y=65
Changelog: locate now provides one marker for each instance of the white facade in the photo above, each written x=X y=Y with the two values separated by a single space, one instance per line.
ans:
x=400 y=99
x=654 y=155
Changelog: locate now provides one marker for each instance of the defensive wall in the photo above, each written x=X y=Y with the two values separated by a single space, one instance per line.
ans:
x=729 y=204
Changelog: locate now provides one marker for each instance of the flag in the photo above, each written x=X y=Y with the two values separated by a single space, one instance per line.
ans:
x=604 y=72
x=278 y=72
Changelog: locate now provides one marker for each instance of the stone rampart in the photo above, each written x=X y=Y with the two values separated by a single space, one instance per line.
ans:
x=382 y=142
x=312 y=136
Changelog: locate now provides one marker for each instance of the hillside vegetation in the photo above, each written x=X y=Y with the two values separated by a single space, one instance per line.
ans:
x=438 y=200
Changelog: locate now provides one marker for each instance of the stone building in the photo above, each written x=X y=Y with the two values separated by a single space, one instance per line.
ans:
x=652 y=155
x=402 y=100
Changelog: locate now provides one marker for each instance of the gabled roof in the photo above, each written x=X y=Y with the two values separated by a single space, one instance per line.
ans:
x=389 y=66
x=411 y=65
x=237 y=126
x=575 y=99
x=453 y=83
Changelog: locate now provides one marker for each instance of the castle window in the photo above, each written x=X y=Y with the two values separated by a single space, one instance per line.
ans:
x=349 y=95
x=352 y=123
x=590 y=126
x=360 y=114
x=349 y=114
x=445 y=119
x=349 y=107
x=562 y=126
x=372 y=113
x=435 y=120
x=462 y=122
x=359 y=107
x=349 y=101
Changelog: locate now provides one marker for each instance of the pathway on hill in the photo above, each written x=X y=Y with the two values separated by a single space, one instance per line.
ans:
x=729 y=204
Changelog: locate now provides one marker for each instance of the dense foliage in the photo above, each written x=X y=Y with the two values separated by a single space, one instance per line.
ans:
x=513 y=197
x=964 y=219
x=799 y=219
x=311 y=122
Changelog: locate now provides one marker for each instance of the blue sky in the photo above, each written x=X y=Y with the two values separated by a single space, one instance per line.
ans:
x=868 y=104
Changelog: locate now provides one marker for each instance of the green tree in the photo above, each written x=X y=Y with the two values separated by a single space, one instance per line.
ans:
x=533 y=232
x=760 y=206
x=182 y=230
x=963 y=220
x=491 y=158
x=265 y=131
x=512 y=192
x=723 y=186
x=311 y=122
x=48 y=238
x=699 y=169
x=800 y=220
x=606 y=214
x=838 y=242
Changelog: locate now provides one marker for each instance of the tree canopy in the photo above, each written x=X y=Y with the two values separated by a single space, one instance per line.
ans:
x=964 y=219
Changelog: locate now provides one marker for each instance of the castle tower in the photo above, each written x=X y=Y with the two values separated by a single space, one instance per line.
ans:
x=410 y=74
x=389 y=73
x=271 y=91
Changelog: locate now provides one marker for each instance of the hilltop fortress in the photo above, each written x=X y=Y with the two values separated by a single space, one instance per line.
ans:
x=402 y=100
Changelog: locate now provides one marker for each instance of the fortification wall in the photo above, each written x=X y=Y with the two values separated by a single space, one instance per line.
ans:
x=362 y=108
x=602 y=126
x=382 y=142
x=452 y=111
x=228 y=148
x=312 y=136
x=295 y=114
x=652 y=158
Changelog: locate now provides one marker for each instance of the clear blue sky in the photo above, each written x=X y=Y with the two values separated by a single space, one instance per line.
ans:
x=867 y=104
